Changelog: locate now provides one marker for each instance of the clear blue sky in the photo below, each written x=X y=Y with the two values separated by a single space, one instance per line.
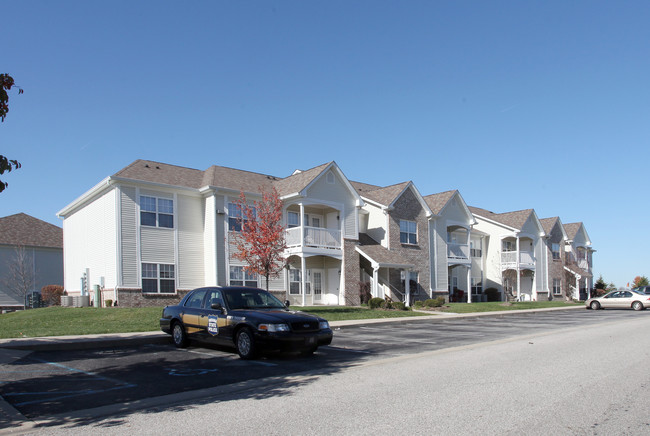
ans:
x=518 y=104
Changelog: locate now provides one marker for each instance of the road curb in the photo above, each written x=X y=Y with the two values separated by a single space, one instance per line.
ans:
x=82 y=342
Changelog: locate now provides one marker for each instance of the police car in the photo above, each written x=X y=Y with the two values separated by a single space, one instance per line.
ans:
x=249 y=319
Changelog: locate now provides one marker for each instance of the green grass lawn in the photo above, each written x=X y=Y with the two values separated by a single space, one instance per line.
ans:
x=64 y=321
x=500 y=306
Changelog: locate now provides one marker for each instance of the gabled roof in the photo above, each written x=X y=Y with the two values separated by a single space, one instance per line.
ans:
x=572 y=230
x=388 y=196
x=549 y=223
x=437 y=202
x=380 y=255
x=25 y=230
x=514 y=220
x=160 y=173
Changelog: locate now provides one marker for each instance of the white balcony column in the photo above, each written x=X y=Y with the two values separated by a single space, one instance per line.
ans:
x=517 y=269
x=588 y=286
x=534 y=285
x=375 y=281
x=469 y=283
x=303 y=280
x=302 y=224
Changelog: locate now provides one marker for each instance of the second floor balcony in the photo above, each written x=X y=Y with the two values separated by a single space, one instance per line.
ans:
x=457 y=252
x=316 y=239
x=509 y=260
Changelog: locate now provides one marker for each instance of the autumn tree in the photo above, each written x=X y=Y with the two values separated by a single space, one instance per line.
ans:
x=261 y=242
x=6 y=83
x=640 y=281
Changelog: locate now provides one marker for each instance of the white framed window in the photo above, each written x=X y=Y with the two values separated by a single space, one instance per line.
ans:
x=240 y=277
x=293 y=219
x=475 y=248
x=453 y=283
x=156 y=212
x=557 y=286
x=294 y=281
x=408 y=232
x=477 y=285
x=158 y=278
x=235 y=217
x=555 y=249
x=508 y=245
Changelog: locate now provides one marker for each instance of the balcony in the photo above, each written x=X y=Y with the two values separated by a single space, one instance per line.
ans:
x=509 y=260
x=457 y=253
x=316 y=240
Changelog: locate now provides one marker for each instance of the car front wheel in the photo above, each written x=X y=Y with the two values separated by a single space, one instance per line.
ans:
x=637 y=305
x=245 y=344
x=179 y=335
x=595 y=305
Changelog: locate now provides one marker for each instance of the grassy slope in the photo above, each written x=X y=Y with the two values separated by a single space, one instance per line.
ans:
x=63 y=321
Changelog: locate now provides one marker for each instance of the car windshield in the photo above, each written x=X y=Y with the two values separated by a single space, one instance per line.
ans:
x=250 y=298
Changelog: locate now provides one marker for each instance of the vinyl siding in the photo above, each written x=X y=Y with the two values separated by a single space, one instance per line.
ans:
x=128 y=238
x=190 y=242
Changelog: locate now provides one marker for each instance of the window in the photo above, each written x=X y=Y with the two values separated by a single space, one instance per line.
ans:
x=555 y=249
x=235 y=217
x=557 y=286
x=477 y=285
x=196 y=300
x=408 y=232
x=240 y=277
x=294 y=281
x=158 y=278
x=508 y=246
x=475 y=248
x=293 y=219
x=156 y=212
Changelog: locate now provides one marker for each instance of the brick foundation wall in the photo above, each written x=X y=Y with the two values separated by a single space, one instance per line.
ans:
x=135 y=298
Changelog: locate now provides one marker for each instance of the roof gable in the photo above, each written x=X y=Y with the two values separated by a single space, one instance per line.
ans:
x=25 y=230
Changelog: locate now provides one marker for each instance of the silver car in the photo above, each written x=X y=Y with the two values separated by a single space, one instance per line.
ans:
x=620 y=300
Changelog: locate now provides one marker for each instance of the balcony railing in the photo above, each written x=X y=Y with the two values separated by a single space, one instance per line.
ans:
x=509 y=259
x=457 y=251
x=316 y=237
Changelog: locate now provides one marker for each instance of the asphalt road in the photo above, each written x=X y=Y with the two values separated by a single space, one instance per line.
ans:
x=60 y=388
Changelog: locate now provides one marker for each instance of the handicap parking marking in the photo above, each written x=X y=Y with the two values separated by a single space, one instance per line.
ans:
x=62 y=394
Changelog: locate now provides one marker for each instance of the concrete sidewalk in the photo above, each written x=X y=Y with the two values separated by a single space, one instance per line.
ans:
x=82 y=342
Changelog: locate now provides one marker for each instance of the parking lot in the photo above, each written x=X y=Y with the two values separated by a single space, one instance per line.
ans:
x=43 y=384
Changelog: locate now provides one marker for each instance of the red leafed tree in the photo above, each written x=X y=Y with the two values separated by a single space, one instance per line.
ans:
x=261 y=242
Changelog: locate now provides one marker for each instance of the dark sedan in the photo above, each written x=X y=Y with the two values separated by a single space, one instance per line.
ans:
x=249 y=319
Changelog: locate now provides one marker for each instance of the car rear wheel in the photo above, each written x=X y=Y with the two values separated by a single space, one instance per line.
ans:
x=595 y=305
x=179 y=336
x=245 y=344
x=637 y=305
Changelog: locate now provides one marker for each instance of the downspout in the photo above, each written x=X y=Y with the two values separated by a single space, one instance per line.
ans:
x=517 y=269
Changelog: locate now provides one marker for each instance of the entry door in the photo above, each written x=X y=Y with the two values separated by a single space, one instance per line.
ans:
x=317 y=284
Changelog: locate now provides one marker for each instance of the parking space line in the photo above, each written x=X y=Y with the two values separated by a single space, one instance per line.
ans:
x=346 y=349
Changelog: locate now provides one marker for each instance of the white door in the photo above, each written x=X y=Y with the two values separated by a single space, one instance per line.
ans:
x=333 y=280
x=317 y=285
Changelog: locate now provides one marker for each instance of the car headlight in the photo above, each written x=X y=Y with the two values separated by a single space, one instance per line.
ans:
x=273 y=327
x=323 y=325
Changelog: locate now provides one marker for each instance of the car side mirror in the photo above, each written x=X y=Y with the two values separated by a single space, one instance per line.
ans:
x=287 y=303
x=217 y=306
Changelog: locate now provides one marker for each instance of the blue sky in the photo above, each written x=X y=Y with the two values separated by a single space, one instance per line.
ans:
x=518 y=104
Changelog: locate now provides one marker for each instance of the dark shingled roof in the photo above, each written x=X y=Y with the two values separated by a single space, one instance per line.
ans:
x=385 y=196
x=363 y=187
x=571 y=229
x=380 y=254
x=437 y=202
x=516 y=219
x=25 y=230
x=548 y=224
x=218 y=176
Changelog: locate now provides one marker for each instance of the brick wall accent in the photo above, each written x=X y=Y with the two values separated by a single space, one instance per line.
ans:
x=352 y=273
x=135 y=298
x=556 y=266
x=408 y=207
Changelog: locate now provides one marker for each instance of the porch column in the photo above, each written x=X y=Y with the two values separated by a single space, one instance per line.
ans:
x=375 y=281
x=576 y=294
x=518 y=272
x=303 y=281
x=534 y=296
x=588 y=286
x=302 y=224
x=408 y=287
x=469 y=283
